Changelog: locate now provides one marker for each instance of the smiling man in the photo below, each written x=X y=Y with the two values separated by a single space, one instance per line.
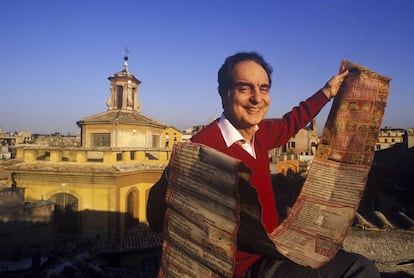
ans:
x=244 y=82
x=247 y=101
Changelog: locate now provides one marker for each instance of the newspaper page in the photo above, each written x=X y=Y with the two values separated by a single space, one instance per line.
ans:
x=202 y=218
x=213 y=210
x=324 y=210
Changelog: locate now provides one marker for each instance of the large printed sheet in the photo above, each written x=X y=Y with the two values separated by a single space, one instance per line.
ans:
x=213 y=210
x=202 y=217
x=321 y=216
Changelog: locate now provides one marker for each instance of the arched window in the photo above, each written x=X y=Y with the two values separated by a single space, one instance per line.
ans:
x=65 y=201
x=119 y=96
x=131 y=205
x=66 y=217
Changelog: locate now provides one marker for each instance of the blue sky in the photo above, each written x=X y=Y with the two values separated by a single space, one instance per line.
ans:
x=55 y=56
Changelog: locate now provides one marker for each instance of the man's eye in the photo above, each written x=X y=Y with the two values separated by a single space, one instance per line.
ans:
x=264 y=89
x=244 y=89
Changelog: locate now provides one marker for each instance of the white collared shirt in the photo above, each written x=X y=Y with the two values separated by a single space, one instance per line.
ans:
x=232 y=136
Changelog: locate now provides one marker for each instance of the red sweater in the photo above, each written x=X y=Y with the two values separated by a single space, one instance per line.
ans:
x=271 y=134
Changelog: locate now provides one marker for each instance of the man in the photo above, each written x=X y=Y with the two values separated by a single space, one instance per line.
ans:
x=244 y=81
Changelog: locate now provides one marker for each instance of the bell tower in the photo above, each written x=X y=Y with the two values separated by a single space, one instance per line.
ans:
x=122 y=125
x=124 y=90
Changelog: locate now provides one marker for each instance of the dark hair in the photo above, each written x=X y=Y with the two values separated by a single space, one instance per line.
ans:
x=225 y=76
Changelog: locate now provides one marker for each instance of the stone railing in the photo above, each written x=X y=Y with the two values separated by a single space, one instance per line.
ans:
x=31 y=154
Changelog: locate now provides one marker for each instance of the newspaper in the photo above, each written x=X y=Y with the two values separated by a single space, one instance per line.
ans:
x=324 y=210
x=202 y=218
x=213 y=210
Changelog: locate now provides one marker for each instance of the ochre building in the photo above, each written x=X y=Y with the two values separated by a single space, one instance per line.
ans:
x=102 y=186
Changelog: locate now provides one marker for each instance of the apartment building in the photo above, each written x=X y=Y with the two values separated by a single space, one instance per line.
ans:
x=389 y=136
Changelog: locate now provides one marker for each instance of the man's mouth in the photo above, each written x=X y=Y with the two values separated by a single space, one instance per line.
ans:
x=253 y=109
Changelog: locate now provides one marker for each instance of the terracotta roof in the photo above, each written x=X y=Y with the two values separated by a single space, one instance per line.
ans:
x=139 y=237
x=121 y=117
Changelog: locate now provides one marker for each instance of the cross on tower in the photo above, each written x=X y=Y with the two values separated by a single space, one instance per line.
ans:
x=126 y=53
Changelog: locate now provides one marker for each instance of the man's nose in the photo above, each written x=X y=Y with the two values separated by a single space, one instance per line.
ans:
x=256 y=94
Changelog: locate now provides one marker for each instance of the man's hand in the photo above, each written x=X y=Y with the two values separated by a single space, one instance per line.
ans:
x=332 y=86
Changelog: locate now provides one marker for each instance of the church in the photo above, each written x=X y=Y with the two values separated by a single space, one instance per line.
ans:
x=122 y=125
x=100 y=188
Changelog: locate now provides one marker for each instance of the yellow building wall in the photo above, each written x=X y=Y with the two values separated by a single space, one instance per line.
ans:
x=140 y=206
x=102 y=197
x=123 y=135
x=284 y=167
x=93 y=193
x=141 y=182
x=172 y=135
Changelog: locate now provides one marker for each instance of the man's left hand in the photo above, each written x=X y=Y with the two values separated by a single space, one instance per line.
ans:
x=331 y=87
